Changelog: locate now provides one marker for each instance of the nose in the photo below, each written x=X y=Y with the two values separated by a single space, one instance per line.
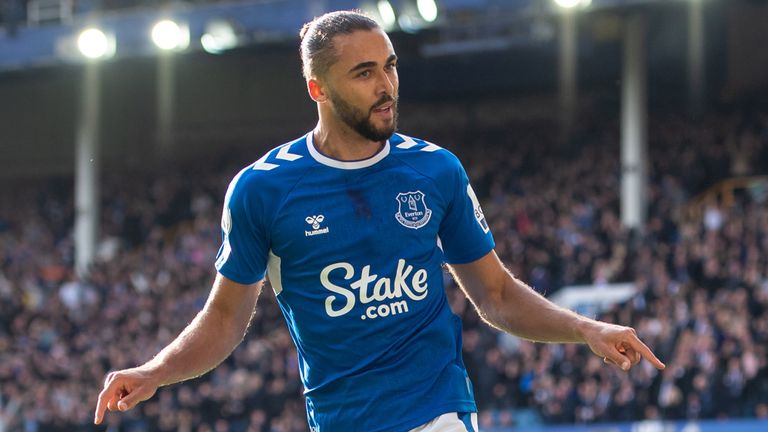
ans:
x=386 y=84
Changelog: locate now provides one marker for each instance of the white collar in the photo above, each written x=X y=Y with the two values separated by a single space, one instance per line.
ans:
x=348 y=165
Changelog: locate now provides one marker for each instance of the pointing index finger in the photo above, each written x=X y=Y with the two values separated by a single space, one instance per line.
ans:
x=101 y=404
x=646 y=352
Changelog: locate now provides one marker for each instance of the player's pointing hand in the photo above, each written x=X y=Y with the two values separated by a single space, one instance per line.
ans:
x=123 y=390
x=618 y=345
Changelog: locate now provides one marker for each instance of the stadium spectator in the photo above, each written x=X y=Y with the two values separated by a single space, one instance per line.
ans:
x=702 y=297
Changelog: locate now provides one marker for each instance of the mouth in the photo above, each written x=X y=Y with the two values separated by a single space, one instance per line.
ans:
x=385 y=108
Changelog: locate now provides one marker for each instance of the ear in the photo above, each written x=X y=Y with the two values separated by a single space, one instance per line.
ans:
x=316 y=90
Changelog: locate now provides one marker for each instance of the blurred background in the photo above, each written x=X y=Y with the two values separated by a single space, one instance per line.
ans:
x=619 y=148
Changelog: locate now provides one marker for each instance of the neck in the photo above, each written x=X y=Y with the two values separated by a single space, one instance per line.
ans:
x=342 y=143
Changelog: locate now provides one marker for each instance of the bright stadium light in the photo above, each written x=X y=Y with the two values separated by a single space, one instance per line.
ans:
x=567 y=4
x=427 y=9
x=219 y=36
x=94 y=44
x=408 y=24
x=168 y=35
x=570 y=4
x=387 y=13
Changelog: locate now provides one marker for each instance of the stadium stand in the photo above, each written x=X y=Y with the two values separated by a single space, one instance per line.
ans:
x=702 y=296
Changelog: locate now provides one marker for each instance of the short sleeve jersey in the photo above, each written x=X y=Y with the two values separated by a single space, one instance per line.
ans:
x=354 y=251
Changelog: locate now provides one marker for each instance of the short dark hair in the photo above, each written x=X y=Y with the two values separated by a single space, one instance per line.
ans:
x=317 y=50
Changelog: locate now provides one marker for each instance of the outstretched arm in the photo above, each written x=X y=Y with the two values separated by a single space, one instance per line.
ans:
x=204 y=343
x=510 y=305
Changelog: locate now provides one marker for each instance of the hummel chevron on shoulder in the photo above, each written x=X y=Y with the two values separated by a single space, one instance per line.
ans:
x=282 y=154
x=409 y=142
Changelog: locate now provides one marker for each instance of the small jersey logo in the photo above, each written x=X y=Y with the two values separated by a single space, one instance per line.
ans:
x=226 y=248
x=412 y=211
x=226 y=221
x=479 y=216
x=314 y=221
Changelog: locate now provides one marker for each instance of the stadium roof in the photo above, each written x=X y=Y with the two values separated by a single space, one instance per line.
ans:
x=49 y=37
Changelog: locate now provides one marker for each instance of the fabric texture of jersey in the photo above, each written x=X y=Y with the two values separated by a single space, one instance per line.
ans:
x=354 y=253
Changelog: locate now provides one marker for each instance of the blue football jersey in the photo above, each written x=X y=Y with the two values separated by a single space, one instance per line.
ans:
x=354 y=253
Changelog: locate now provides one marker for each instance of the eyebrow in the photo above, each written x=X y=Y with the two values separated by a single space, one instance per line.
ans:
x=368 y=64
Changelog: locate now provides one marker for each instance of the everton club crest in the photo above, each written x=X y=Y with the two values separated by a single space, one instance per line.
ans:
x=412 y=210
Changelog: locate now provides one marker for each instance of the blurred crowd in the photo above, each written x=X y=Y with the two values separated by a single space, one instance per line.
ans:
x=701 y=301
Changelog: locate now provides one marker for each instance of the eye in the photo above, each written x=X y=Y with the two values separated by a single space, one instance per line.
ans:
x=364 y=74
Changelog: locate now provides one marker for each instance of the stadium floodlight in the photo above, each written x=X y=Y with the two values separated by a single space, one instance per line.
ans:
x=168 y=35
x=570 y=4
x=219 y=36
x=387 y=13
x=408 y=24
x=93 y=43
x=567 y=4
x=427 y=9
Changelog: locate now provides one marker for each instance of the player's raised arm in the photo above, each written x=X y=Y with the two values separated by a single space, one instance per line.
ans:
x=204 y=343
x=510 y=305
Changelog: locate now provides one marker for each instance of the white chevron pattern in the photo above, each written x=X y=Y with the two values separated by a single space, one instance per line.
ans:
x=408 y=143
x=261 y=165
x=430 y=147
x=284 y=155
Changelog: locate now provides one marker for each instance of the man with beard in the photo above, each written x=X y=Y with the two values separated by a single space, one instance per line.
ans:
x=351 y=224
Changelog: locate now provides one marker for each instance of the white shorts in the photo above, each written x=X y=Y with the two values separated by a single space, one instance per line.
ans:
x=450 y=422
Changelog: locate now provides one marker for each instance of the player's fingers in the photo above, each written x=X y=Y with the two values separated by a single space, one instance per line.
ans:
x=112 y=404
x=620 y=360
x=622 y=355
x=105 y=398
x=633 y=356
x=645 y=352
x=99 y=413
x=131 y=399
x=108 y=397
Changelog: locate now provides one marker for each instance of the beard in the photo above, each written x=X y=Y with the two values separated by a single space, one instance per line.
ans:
x=360 y=121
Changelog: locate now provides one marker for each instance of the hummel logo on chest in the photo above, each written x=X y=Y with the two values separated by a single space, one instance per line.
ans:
x=314 y=221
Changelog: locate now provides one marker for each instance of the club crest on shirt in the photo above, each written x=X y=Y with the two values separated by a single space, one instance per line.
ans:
x=412 y=211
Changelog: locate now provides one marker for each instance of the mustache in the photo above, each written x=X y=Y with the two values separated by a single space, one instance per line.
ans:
x=383 y=100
